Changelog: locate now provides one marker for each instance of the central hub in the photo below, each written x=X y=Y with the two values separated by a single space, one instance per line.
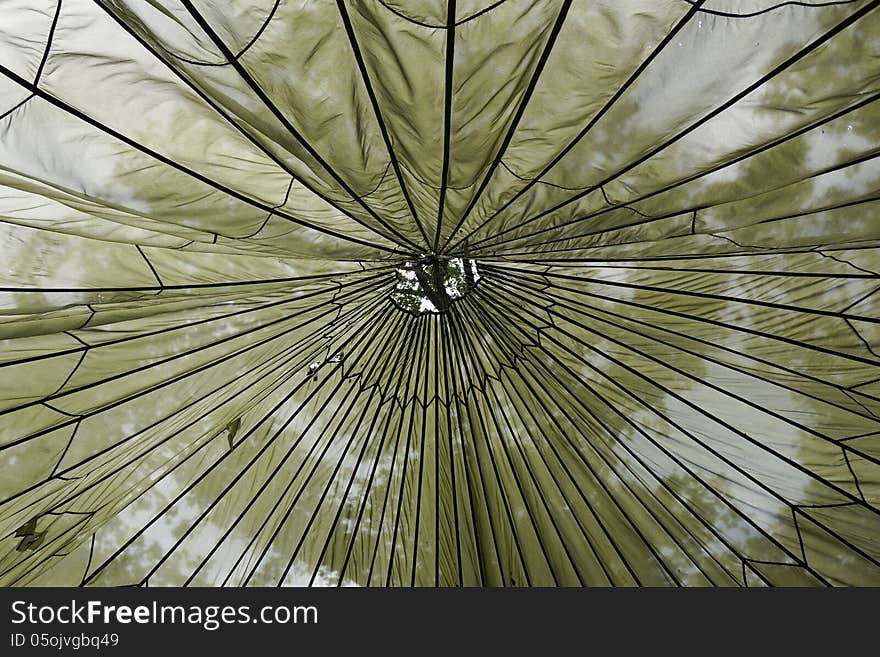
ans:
x=431 y=283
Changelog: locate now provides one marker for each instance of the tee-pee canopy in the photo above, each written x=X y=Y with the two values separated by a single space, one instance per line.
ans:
x=438 y=292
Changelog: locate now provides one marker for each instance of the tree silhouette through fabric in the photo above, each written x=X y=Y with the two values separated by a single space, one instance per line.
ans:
x=439 y=293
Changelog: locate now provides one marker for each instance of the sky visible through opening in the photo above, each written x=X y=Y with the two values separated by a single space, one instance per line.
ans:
x=419 y=290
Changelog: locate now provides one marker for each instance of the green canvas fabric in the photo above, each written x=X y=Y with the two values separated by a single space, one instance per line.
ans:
x=666 y=371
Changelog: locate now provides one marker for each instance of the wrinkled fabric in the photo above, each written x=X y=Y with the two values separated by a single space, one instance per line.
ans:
x=667 y=374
